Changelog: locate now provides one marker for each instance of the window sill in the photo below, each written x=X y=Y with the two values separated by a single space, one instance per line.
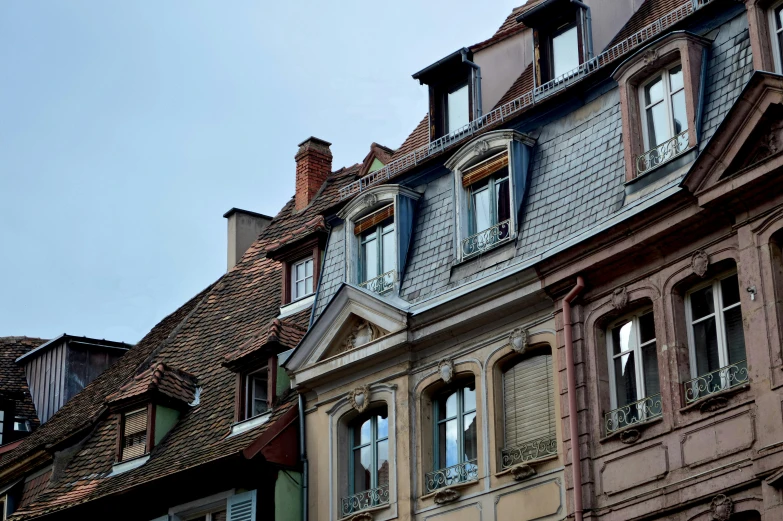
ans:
x=641 y=426
x=296 y=306
x=531 y=463
x=370 y=511
x=252 y=423
x=722 y=394
x=464 y=484
x=125 y=466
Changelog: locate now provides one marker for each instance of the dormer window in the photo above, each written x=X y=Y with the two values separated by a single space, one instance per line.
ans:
x=564 y=55
x=664 y=117
x=489 y=204
x=301 y=278
x=776 y=32
x=457 y=108
x=256 y=393
x=134 y=435
x=378 y=250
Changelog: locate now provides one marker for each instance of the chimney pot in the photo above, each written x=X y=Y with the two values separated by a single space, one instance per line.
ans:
x=313 y=166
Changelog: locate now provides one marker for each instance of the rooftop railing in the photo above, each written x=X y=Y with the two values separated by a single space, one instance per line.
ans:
x=513 y=107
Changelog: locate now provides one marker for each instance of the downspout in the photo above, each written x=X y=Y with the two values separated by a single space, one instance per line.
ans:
x=589 y=28
x=700 y=104
x=576 y=460
x=303 y=457
x=477 y=82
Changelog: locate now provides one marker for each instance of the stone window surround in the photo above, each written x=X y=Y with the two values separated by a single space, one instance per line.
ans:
x=679 y=46
x=340 y=415
x=761 y=33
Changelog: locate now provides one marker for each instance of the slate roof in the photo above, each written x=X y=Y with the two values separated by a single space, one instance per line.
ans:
x=13 y=381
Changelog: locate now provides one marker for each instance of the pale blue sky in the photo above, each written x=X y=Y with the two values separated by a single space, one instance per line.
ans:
x=128 y=128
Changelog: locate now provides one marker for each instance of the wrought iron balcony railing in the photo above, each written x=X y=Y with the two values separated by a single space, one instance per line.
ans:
x=529 y=451
x=634 y=413
x=453 y=475
x=716 y=381
x=529 y=98
x=364 y=500
x=485 y=239
x=663 y=153
x=382 y=283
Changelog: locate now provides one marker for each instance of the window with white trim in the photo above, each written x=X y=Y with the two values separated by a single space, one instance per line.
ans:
x=715 y=337
x=214 y=515
x=134 y=434
x=776 y=33
x=301 y=278
x=633 y=371
x=256 y=394
x=662 y=100
x=489 y=204
x=377 y=250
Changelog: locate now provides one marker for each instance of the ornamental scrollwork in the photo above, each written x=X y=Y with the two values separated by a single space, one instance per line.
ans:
x=360 y=398
x=620 y=298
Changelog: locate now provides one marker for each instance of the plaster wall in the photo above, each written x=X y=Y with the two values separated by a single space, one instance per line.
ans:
x=496 y=74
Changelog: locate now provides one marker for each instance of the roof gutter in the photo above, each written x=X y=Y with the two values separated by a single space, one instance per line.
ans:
x=476 y=81
x=576 y=460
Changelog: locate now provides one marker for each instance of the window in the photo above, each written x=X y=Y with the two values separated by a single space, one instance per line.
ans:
x=368 y=477
x=663 y=109
x=776 y=32
x=633 y=371
x=256 y=397
x=134 y=434
x=489 y=204
x=377 y=250
x=529 y=411
x=455 y=437
x=301 y=278
x=715 y=337
x=22 y=425
x=565 y=51
x=457 y=108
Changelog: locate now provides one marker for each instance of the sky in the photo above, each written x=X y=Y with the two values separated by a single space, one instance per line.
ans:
x=127 y=129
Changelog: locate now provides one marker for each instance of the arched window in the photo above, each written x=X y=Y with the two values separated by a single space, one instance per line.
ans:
x=368 y=467
x=529 y=410
x=456 y=436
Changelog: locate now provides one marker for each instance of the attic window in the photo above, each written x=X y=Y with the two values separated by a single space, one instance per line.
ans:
x=256 y=394
x=457 y=109
x=134 y=434
x=565 y=50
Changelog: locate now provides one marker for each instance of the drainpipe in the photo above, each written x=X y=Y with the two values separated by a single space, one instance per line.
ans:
x=477 y=93
x=303 y=457
x=576 y=459
x=589 y=28
x=700 y=102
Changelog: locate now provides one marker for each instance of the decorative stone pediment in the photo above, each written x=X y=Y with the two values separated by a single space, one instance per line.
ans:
x=356 y=332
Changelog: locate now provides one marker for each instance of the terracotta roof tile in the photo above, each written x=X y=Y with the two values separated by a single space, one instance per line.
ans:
x=283 y=332
x=158 y=378
x=418 y=138
x=648 y=12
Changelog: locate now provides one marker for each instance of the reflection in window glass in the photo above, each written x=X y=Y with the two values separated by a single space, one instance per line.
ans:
x=565 y=52
x=664 y=111
x=634 y=359
x=369 y=452
x=455 y=420
x=458 y=109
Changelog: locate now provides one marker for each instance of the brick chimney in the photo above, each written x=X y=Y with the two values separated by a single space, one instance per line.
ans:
x=313 y=165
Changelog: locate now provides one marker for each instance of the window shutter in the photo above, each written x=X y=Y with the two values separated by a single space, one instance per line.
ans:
x=242 y=507
x=520 y=169
x=407 y=210
x=134 y=425
x=528 y=400
x=373 y=219
x=484 y=169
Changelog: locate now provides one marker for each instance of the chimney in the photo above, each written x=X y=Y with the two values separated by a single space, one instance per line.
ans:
x=244 y=227
x=313 y=166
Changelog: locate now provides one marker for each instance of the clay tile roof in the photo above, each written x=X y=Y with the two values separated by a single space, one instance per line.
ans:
x=509 y=27
x=13 y=381
x=280 y=332
x=418 y=138
x=648 y=12
x=315 y=224
x=159 y=378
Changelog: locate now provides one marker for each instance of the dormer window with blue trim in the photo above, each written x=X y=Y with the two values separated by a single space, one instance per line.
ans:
x=377 y=250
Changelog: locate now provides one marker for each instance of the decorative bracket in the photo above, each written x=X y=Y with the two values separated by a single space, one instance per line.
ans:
x=446 y=495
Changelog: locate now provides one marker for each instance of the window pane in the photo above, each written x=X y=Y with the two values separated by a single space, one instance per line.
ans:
x=679 y=116
x=625 y=379
x=309 y=268
x=370 y=260
x=308 y=285
x=675 y=78
x=300 y=289
x=469 y=398
x=779 y=17
x=503 y=200
x=448 y=444
x=702 y=303
x=389 y=252
x=735 y=337
x=729 y=289
x=650 y=369
x=623 y=338
x=646 y=328
x=653 y=92
x=706 y=346
x=362 y=466
x=565 y=52
x=382 y=427
x=447 y=406
x=365 y=432
x=300 y=271
x=482 y=217
x=457 y=106
x=657 y=125
x=383 y=463
x=469 y=436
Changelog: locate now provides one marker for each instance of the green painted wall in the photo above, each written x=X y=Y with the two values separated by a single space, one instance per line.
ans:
x=376 y=165
x=165 y=419
x=283 y=382
x=288 y=496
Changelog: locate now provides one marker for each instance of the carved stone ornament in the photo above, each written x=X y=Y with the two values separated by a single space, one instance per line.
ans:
x=518 y=340
x=630 y=436
x=360 y=398
x=446 y=495
x=481 y=147
x=650 y=56
x=362 y=333
x=370 y=200
x=620 y=298
x=699 y=263
x=770 y=144
x=714 y=403
x=363 y=516
x=446 y=370
x=721 y=507
x=522 y=471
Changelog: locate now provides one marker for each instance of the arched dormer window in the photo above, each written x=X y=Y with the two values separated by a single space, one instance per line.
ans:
x=490 y=181
x=378 y=230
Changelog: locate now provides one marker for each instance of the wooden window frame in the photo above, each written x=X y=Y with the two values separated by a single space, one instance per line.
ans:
x=439 y=103
x=373 y=443
x=379 y=231
x=665 y=75
x=310 y=249
x=240 y=394
x=776 y=36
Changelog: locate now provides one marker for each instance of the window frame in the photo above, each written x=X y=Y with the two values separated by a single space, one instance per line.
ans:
x=559 y=31
x=383 y=228
x=444 y=394
x=121 y=447
x=294 y=280
x=720 y=329
x=665 y=74
x=493 y=181
x=444 y=103
x=373 y=444
x=249 y=392
x=776 y=35
x=641 y=384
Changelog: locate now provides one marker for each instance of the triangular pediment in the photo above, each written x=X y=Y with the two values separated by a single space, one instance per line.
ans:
x=745 y=146
x=353 y=320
